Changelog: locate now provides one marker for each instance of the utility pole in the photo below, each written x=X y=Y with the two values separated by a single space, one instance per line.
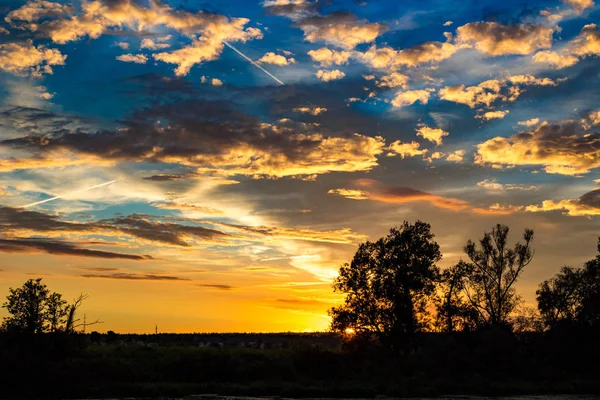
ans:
x=156 y=330
x=84 y=322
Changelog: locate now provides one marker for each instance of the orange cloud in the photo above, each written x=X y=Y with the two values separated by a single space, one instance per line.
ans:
x=409 y=97
x=23 y=58
x=561 y=148
x=424 y=53
x=328 y=58
x=340 y=29
x=133 y=58
x=331 y=75
x=276 y=59
x=411 y=149
x=374 y=190
x=496 y=39
x=586 y=205
x=434 y=135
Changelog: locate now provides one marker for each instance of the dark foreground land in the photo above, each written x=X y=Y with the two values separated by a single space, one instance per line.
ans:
x=493 y=363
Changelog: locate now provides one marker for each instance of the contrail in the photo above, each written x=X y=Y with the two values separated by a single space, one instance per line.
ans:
x=257 y=65
x=68 y=194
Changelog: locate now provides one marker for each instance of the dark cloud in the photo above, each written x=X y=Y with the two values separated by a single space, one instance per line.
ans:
x=294 y=11
x=60 y=248
x=216 y=286
x=135 y=277
x=169 y=177
x=207 y=135
x=591 y=199
x=137 y=225
x=166 y=232
x=566 y=148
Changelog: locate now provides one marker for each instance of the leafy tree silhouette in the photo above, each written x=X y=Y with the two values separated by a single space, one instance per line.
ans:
x=572 y=296
x=388 y=285
x=27 y=307
x=33 y=309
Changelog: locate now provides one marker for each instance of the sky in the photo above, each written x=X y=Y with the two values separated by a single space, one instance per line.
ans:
x=208 y=166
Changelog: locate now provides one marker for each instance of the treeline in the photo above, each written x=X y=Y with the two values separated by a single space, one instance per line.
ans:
x=394 y=290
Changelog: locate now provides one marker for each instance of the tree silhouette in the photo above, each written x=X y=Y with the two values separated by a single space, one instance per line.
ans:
x=590 y=302
x=559 y=298
x=56 y=311
x=454 y=312
x=387 y=286
x=33 y=308
x=492 y=272
x=27 y=307
x=572 y=295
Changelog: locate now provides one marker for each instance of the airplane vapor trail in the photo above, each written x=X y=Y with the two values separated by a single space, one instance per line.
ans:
x=68 y=194
x=257 y=65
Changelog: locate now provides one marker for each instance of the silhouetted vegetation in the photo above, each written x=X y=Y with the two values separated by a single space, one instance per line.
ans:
x=404 y=329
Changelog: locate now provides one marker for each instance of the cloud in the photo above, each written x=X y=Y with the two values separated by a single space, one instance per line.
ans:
x=493 y=186
x=409 y=97
x=434 y=135
x=340 y=29
x=350 y=193
x=188 y=207
x=206 y=136
x=216 y=286
x=24 y=59
x=328 y=58
x=561 y=148
x=456 y=156
x=496 y=39
x=377 y=191
x=587 y=43
x=154 y=45
x=154 y=230
x=207 y=30
x=135 y=277
x=580 y=5
x=293 y=9
x=216 y=82
x=499 y=114
x=4 y=31
x=390 y=59
x=411 y=149
x=310 y=110
x=498 y=209
x=276 y=59
x=38 y=9
x=123 y=45
x=133 y=58
x=554 y=59
x=586 y=205
x=530 y=122
x=393 y=80
x=60 y=248
x=448 y=23
x=486 y=93
x=594 y=117
x=331 y=75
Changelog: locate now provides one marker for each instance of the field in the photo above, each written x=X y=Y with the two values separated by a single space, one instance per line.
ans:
x=292 y=365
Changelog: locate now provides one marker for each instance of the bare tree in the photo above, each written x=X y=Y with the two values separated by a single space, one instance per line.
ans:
x=492 y=273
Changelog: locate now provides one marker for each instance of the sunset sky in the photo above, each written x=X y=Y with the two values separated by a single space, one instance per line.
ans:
x=215 y=162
